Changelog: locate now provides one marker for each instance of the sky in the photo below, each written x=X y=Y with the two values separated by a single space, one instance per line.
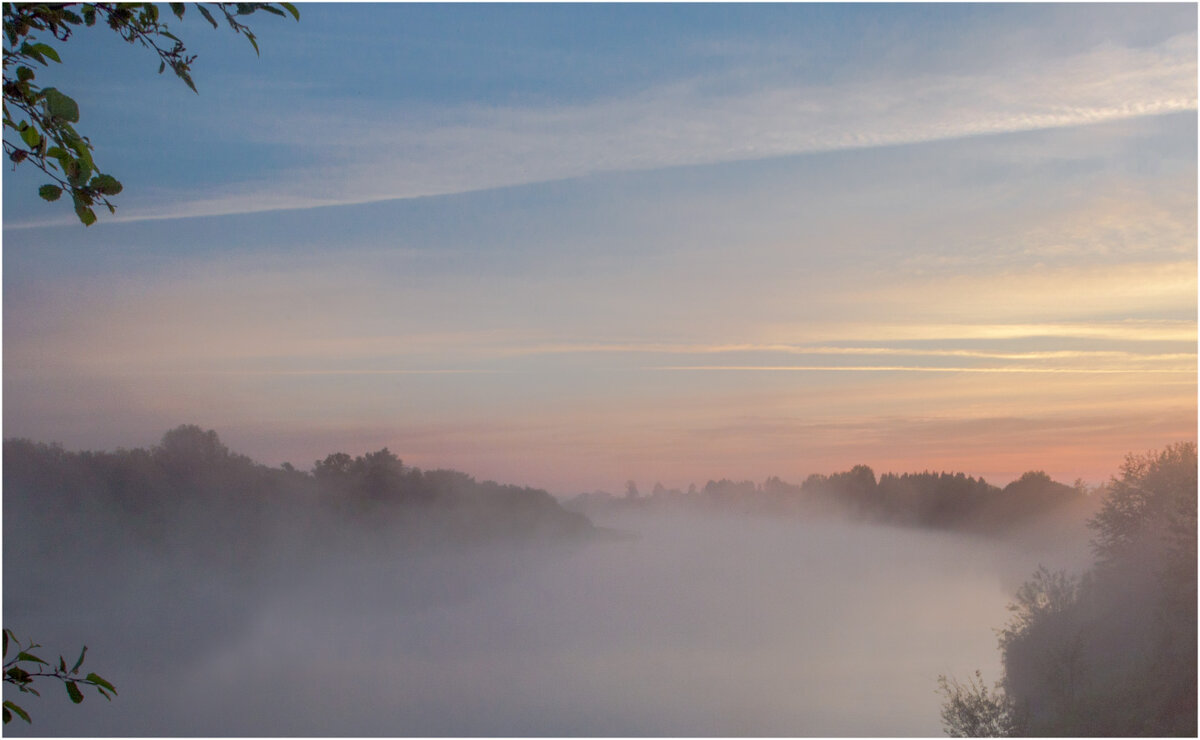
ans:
x=572 y=245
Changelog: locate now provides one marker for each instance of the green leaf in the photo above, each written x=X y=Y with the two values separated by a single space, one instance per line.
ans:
x=96 y=679
x=28 y=50
x=87 y=217
x=89 y=15
x=80 y=147
x=75 y=668
x=59 y=154
x=18 y=675
x=48 y=51
x=7 y=715
x=74 y=172
x=207 y=15
x=61 y=106
x=31 y=137
x=30 y=658
x=20 y=712
x=106 y=184
x=62 y=662
x=250 y=38
x=161 y=67
x=8 y=632
x=73 y=690
x=177 y=9
x=24 y=74
x=273 y=11
x=244 y=8
x=291 y=9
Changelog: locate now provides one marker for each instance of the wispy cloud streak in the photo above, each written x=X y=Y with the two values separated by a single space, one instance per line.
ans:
x=381 y=155
x=924 y=369
x=667 y=348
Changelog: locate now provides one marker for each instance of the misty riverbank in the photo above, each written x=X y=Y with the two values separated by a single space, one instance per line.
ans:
x=701 y=625
x=371 y=598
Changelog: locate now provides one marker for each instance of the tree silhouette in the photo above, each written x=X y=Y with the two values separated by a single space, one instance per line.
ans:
x=1112 y=652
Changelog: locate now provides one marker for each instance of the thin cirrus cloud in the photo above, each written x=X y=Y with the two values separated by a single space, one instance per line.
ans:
x=1090 y=370
x=923 y=369
x=1131 y=330
x=396 y=355
x=384 y=154
x=656 y=348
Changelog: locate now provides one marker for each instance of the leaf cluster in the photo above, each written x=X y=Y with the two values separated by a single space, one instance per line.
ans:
x=24 y=667
x=39 y=121
x=971 y=710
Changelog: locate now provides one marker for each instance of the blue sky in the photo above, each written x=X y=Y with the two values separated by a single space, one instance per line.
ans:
x=572 y=245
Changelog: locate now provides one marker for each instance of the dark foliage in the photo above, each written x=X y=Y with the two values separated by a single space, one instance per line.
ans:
x=971 y=710
x=38 y=121
x=935 y=500
x=1114 y=652
x=191 y=495
x=25 y=669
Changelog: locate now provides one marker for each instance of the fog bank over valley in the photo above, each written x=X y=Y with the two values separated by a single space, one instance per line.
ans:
x=370 y=598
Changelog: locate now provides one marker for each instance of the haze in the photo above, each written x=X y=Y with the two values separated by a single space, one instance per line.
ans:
x=584 y=250
x=701 y=624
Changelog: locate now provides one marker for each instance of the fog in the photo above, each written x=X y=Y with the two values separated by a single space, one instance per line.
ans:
x=681 y=623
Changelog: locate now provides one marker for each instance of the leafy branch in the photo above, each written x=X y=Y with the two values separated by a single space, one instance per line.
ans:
x=24 y=667
x=970 y=710
x=37 y=121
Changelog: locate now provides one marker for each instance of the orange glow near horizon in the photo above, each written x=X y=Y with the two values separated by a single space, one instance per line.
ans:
x=740 y=321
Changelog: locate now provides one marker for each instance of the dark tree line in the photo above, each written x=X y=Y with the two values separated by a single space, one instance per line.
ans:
x=937 y=500
x=191 y=494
